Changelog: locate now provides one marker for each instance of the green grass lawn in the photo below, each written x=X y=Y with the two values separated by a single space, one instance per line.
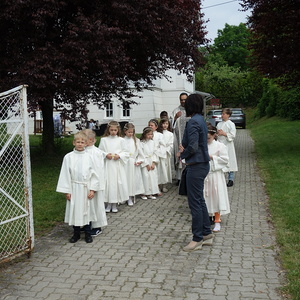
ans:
x=277 y=144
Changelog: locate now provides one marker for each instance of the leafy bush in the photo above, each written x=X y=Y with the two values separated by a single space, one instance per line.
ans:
x=289 y=104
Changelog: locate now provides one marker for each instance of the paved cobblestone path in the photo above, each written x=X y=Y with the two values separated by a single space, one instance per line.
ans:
x=139 y=255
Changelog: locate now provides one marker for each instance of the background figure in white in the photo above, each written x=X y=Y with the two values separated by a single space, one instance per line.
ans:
x=161 y=152
x=98 y=157
x=149 y=170
x=79 y=181
x=178 y=131
x=166 y=163
x=226 y=131
x=215 y=189
x=133 y=167
x=179 y=123
x=116 y=190
x=180 y=110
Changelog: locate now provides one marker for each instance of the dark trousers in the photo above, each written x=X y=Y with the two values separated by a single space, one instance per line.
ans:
x=195 y=183
x=86 y=229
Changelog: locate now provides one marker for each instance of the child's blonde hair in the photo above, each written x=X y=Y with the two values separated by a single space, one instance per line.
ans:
x=91 y=134
x=80 y=135
x=146 y=130
x=112 y=123
x=130 y=126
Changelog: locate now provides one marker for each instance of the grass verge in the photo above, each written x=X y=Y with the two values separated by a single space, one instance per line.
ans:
x=277 y=144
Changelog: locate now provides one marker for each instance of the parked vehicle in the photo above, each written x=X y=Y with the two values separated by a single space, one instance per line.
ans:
x=237 y=117
x=214 y=117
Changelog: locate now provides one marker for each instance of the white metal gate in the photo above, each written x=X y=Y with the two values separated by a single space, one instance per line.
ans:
x=16 y=218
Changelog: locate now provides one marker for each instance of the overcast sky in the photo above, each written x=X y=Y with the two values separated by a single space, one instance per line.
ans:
x=220 y=12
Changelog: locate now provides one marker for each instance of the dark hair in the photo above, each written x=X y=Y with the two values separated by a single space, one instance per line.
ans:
x=146 y=130
x=162 y=121
x=227 y=111
x=154 y=121
x=211 y=129
x=193 y=105
x=182 y=95
x=163 y=114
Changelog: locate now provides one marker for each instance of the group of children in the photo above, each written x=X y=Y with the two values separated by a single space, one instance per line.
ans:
x=114 y=173
x=124 y=166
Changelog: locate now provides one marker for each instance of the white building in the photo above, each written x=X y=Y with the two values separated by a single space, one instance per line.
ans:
x=163 y=96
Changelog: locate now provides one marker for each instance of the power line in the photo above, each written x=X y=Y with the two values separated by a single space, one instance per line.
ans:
x=219 y=4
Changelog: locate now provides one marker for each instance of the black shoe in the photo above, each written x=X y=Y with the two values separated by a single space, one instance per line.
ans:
x=88 y=238
x=230 y=183
x=96 y=231
x=178 y=182
x=75 y=238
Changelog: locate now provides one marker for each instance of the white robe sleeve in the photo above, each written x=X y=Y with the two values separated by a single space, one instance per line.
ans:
x=124 y=153
x=64 y=184
x=220 y=161
x=230 y=130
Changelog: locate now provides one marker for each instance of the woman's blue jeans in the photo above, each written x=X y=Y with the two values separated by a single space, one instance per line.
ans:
x=195 y=175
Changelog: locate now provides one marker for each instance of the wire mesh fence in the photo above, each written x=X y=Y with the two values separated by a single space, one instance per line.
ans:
x=16 y=225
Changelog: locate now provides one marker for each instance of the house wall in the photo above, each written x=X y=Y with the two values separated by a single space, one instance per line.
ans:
x=163 y=96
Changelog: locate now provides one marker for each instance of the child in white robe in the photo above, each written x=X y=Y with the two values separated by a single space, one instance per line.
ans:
x=226 y=131
x=79 y=181
x=98 y=159
x=215 y=189
x=133 y=166
x=149 y=170
x=113 y=145
x=166 y=163
x=160 y=152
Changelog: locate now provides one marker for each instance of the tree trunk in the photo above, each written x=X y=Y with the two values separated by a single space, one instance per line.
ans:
x=48 y=126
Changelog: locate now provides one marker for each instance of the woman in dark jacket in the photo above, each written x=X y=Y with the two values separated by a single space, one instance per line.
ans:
x=194 y=151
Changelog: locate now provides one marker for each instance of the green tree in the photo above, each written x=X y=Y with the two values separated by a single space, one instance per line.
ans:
x=231 y=46
x=224 y=82
x=76 y=52
x=275 y=36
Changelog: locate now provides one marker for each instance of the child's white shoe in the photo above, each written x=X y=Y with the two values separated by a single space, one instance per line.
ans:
x=144 y=197
x=217 y=227
x=108 y=208
x=129 y=202
x=114 y=208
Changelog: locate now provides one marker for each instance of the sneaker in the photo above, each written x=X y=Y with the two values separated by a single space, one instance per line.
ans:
x=108 y=208
x=217 y=227
x=129 y=202
x=152 y=197
x=96 y=231
x=144 y=198
x=114 y=208
x=230 y=183
x=165 y=190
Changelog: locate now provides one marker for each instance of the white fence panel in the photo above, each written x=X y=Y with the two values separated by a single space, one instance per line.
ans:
x=16 y=217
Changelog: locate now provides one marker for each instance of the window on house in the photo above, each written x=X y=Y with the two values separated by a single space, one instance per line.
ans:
x=109 y=110
x=126 y=110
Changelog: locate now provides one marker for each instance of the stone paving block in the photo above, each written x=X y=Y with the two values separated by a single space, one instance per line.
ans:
x=139 y=254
